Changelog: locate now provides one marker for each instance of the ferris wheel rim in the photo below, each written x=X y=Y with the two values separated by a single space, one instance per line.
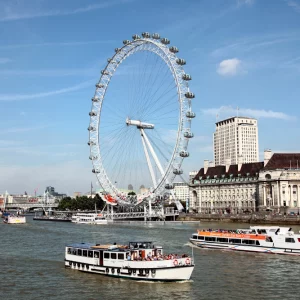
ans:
x=105 y=78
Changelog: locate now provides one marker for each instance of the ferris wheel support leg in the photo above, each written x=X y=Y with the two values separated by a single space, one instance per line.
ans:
x=145 y=212
x=153 y=152
x=150 y=210
x=148 y=160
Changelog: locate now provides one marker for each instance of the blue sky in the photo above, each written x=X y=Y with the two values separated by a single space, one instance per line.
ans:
x=240 y=54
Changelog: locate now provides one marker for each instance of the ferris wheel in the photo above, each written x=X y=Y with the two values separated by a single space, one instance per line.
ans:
x=140 y=120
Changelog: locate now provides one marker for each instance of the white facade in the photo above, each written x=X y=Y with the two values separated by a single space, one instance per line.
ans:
x=181 y=190
x=236 y=141
x=270 y=185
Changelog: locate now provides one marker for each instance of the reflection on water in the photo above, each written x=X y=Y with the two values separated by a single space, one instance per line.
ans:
x=32 y=265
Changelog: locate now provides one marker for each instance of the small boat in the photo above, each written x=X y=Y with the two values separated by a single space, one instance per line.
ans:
x=138 y=261
x=12 y=219
x=89 y=218
x=263 y=239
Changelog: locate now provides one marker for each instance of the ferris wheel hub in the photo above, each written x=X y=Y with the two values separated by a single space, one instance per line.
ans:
x=139 y=124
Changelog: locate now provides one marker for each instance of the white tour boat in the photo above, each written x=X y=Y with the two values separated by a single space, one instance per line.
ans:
x=89 y=218
x=264 y=239
x=12 y=219
x=138 y=260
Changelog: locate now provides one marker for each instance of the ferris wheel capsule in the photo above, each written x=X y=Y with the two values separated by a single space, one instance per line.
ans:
x=188 y=134
x=165 y=41
x=104 y=72
x=96 y=171
x=156 y=36
x=173 y=49
x=91 y=143
x=95 y=99
x=189 y=95
x=93 y=157
x=190 y=114
x=136 y=37
x=91 y=128
x=146 y=35
x=117 y=50
x=169 y=186
x=92 y=114
x=125 y=42
x=184 y=153
x=186 y=77
x=180 y=61
x=177 y=171
x=99 y=85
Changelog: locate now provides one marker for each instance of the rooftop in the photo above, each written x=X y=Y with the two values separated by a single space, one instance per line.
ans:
x=283 y=161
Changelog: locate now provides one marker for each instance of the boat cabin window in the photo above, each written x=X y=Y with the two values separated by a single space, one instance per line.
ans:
x=84 y=253
x=121 y=256
x=113 y=255
x=200 y=237
x=222 y=240
x=79 y=252
x=257 y=243
x=248 y=242
x=235 y=241
x=289 y=240
x=143 y=245
x=90 y=254
x=106 y=254
x=96 y=254
x=195 y=237
x=261 y=231
x=74 y=252
x=210 y=239
x=269 y=239
x=70 y=250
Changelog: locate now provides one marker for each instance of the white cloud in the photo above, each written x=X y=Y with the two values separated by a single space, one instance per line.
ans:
x=74 y=43
x=229 y=67
x=293 y=4
x=4 y=60
x=256 y=113
x=18 y=97
x=247 y=2
x=255 y=43
x=10 y=15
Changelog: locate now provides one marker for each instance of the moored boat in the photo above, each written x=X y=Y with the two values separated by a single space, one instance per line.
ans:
x=138 y=260
x=12 y=219
x=264 y=239
x=89 y=218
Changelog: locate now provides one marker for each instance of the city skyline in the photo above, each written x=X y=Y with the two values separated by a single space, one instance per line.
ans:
x=240 y=54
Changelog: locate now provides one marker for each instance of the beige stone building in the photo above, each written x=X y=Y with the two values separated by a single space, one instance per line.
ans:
x=247 y=187
x=235 y=141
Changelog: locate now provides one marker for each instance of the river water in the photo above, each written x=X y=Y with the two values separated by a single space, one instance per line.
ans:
x=32 y=265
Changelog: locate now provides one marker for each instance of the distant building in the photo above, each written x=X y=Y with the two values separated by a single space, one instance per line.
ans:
x=273 y=184
x=76 y=194
x=181 y=190
x=236 y=141
x=51 y=191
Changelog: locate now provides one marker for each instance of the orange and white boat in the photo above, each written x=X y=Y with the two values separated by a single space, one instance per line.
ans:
x=264 y=239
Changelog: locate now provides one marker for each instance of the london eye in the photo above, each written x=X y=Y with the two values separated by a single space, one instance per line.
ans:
x=140 y=120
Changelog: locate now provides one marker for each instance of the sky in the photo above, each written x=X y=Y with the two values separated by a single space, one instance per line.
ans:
x=241 y=54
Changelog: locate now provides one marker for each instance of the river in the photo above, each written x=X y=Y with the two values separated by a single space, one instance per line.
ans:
x=32 y=265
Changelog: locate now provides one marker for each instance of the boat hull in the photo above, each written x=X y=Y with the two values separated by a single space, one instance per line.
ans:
x=179 y=273
x=248 y=248
x=15 y=220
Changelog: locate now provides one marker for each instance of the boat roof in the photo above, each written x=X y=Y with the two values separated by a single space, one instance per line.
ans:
x=112 y=247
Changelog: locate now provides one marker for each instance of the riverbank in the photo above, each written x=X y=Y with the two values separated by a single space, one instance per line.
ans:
x=250 y=219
